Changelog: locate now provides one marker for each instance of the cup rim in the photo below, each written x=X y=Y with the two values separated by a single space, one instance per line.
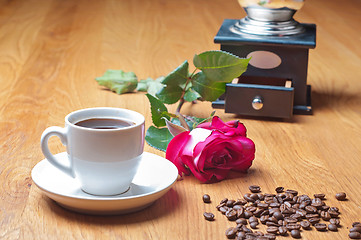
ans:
x=137 y=123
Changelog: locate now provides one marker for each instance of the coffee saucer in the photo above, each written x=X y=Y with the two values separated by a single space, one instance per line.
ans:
x=155 y=177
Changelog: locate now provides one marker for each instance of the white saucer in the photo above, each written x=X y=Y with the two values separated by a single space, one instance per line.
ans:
x=155 y=177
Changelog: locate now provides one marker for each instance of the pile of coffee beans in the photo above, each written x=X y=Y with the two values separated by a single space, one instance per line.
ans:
x=284 y=213
x=355 y=231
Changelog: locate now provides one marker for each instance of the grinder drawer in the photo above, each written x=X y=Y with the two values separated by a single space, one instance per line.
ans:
x=254 y=98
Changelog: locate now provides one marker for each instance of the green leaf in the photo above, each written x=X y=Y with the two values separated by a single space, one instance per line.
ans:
x=177 y=77
x=149 y=85
x=198 y=121
x=191 y=95
x=118 y=81
x=220 y=66
x=158 y=138
x=155 y=86
x=143 y=84
x=158 y=110
x=169 y=94
x=209 y=90
x=189 y=120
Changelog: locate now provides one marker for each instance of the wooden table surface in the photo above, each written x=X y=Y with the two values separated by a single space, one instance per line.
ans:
x=51 y=51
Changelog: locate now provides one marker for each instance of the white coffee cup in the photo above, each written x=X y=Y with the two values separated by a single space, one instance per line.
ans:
x=104 y=161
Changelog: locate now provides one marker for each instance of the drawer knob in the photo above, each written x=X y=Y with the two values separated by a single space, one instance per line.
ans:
x=257 y=103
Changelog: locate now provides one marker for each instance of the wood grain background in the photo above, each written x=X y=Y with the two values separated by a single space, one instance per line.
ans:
x=51 y=51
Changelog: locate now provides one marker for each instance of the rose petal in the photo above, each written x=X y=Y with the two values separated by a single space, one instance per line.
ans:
x=231 y=127
x=174 y=151
x=198 y=135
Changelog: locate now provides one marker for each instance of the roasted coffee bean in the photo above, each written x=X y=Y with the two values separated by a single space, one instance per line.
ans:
x=208 y=216
x=262 y=238
x=241 y=235
x=223 y=210
x=314 y=220
x=240 y=202
x=312 y=215
x=354 y=224
x=224 y=200
x=340 y=196
x=271 y=211
x=265 y=212
x=305 y=224
x=274 y=205
x=251 y=236
x=293 y=192
x=278 y=215
x=253 y=225
x=239 y=226
x=231 y=215
x=325 y=216
x=332 y=227
x=269 y=195
x=240 y=213
x=356 y=229
x=220 y=205
x=321 y=226
x=317 y=203
x=287 y=205
x=296 y=216
x=354 y=235
x=272 y=224
x=206 y=198
x=231 y=232
x=304 y=204
x=335 y=209
x=264 y=219
x=282 y=231
x=262 y=205
x=248 y=214
x=246 y=229
x=293 y=226
x=290 y=220
x=254 y=188
x=319 y=195
x=311 y=209
x=253 y=219
x=260 y=196
x=258 y=212
x=335 y=221
x=258 y=233
x=248 y=198
x=230 y=203
x=296 y=233
x=296 y=206
x=279 y=189
x=242 y=221
x=325 y=208
x=237 y=207
x=270 y=236
x=301 y=212
x=333 y=213
x=272 y=229
x=273 y=219
x=251 y=208
x=254 y=196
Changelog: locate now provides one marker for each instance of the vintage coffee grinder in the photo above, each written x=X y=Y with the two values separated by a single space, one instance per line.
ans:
x=275 y=83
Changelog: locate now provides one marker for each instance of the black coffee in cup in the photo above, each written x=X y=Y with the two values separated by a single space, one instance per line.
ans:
x=104 y=123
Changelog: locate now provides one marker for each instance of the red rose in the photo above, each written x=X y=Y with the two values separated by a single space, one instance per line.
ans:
x=211 y=150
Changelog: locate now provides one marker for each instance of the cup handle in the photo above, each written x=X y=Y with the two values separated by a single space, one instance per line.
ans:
x=61 y=133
